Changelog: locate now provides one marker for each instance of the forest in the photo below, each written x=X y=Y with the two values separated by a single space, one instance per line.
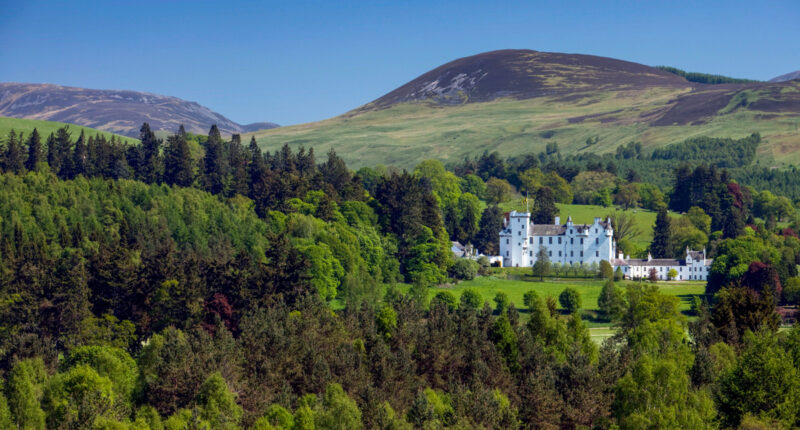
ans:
x=704 y=78
x=198 y=283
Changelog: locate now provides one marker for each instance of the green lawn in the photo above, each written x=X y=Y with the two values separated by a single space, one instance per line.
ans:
x=589 y=289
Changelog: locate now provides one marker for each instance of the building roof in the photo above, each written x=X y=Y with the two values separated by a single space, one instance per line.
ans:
x=696 y=255
x=655 y=262
x=548 y=230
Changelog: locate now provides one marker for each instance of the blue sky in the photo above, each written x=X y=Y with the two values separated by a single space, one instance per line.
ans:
x=295 y=61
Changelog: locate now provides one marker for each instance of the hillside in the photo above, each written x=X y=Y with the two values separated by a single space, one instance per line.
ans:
x=786 y=77
x=117 y=111
x=518 y=101
x=46 y=127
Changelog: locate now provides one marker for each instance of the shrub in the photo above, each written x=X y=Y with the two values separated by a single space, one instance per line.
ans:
x=464 y=269
x=570 y=300
x=471 y=299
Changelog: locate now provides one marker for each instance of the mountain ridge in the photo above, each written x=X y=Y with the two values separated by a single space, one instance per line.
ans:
x=517 y=101
x=117 y=111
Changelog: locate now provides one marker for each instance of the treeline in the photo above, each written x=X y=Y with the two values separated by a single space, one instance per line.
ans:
x=704 y=78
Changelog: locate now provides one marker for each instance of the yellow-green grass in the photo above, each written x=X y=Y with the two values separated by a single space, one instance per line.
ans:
x=589 y=289
x=407 y=133
x=44 y=128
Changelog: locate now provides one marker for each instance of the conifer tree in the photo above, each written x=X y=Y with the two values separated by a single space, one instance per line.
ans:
x=214 y=164
x=490 y=225
x=13 y=155
x=178 y=160
x=151 y=162
x=660 y=248
x=58 y=151
x=80 y=157
x=35 y=152
x=237 y=160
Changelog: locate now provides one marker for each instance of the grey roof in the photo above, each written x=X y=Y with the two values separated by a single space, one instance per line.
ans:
x=558 y=230
x=696 y=255
x=548 y=230
x=655 y=262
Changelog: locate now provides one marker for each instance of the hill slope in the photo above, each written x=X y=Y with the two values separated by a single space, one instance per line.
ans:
x=786 y=77
x=518 y=101
x=44 y=128
x=121 y=112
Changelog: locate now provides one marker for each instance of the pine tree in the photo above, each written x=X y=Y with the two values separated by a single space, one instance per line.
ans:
x=214 y=164
x=80 y=157
x=660 y=248
x=58 y=151
x=13 y=161
x=35 y=153
x=237 y=160
x=178 y=160
x=151 y=163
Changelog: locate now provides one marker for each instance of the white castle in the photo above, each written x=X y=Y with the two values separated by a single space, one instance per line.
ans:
x=570 y=243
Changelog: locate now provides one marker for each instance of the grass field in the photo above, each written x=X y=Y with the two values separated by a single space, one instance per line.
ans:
x=407 y=133
x=589 y=289
x=46 y=127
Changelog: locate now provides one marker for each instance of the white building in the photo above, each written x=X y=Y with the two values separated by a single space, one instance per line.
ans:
x=694 y=268
x=521 y=239
x=568 y=243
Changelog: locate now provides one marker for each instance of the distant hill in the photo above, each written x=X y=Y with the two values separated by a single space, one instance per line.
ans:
x=517 y=101
x=44 y=128
x=786 y=77
x=116 y=111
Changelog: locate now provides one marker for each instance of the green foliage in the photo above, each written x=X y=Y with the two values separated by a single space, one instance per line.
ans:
x=386 y=320
x=109 y=362
x=704 y=78
x=471 y=299
x=77 y=397
x=25 y=388
x=218 y=404
x=606 y=271
x=611 y=301
x=464 y=269
x=501 y=302
x=339 y=411
x=570 y=300
x=764 y=382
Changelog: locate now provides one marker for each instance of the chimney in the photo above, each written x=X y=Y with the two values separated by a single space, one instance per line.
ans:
x=558 y=220
x=597 y=220
x=649 y=257
x=621 y=256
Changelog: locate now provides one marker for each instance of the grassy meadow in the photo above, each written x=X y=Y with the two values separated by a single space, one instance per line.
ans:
x=407 y=133
x=46 y=127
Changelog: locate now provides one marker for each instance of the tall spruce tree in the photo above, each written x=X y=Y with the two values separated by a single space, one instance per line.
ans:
x=35 y=153
x=150 y=170
x=80 y=157
x=237 y=160
x=178 y=160
x=660 y=248
x=58 y=152
x=13 y=161
x=214 y=163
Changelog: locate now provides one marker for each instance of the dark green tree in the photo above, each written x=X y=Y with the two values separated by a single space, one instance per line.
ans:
x=80 y=157
x=35 y=152
x=570 y=300
x=13 y=160
x=215 y=166
x=490 y=225
x=178 y=164
x=152 y=165
x=544 y=206
x=661 y=248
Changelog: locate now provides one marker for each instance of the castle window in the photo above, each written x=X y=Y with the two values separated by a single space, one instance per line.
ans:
x=596 y=240
x=559 y=253
x=572 y=253
x=559 y=241
x=506 y=241
x=519 y=233
x=541 y=240
x=550 y=240
x=581 y=241
x=530 y=253
x=550 y=253
x=581 y=253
